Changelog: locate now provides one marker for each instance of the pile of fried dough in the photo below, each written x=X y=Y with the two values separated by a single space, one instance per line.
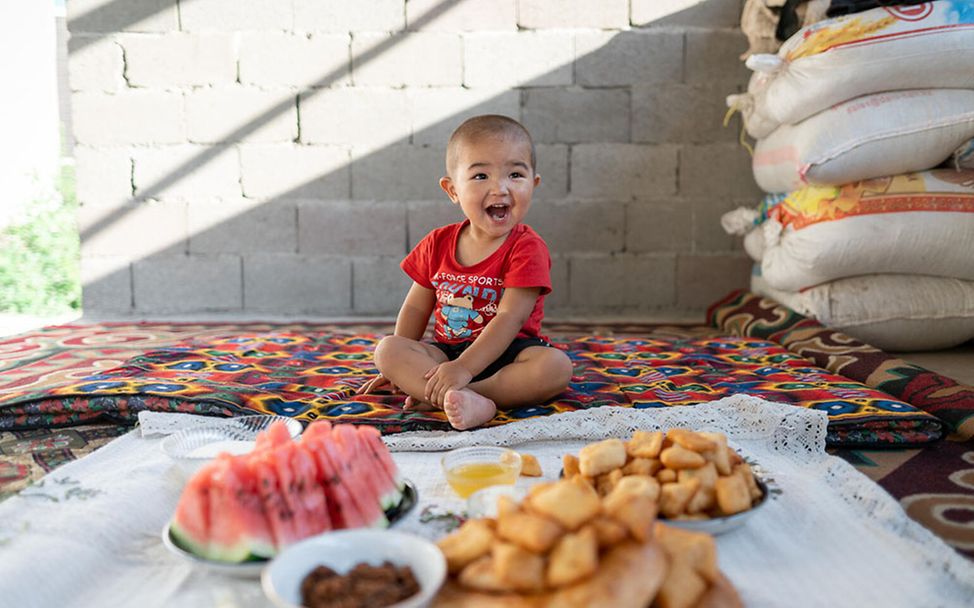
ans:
x=565 y=546
x=692 y=475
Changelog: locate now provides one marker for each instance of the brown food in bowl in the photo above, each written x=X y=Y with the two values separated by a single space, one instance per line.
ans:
x=364 y=586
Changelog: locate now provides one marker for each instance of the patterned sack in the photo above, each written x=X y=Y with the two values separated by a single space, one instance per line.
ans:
x=916 y=223
x=866 y=137
x=928 y=45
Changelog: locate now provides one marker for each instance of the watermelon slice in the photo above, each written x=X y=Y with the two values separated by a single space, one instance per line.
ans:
x=246 y=507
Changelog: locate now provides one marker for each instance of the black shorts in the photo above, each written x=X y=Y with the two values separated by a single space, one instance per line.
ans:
x=452 y=351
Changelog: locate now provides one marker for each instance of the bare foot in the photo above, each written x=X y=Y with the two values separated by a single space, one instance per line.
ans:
x=466 y=409
x=415 y=405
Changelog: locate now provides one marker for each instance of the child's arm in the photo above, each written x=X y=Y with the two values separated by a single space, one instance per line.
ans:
x=514 y=309
x=414 y=315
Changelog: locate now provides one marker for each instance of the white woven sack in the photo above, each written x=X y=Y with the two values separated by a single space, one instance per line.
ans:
x=894 y=312
x=866 y=137
x=922 y=46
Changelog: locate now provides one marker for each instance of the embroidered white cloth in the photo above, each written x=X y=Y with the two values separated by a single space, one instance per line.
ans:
x=89 y=533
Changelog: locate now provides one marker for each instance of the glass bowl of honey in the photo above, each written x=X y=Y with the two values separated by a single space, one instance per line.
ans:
x=470 y=469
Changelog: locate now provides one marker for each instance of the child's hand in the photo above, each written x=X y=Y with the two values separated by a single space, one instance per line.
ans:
x=376 y=384
x=450 y=375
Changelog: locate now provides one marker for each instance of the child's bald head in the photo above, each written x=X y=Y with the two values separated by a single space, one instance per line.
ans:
x=480 y=127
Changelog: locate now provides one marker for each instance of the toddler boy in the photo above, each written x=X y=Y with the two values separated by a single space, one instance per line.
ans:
x=484 y=280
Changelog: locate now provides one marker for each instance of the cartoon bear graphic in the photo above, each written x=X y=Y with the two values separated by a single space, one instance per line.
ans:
x=456 y=313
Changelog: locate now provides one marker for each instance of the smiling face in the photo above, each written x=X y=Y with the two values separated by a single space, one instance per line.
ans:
x=493 y=181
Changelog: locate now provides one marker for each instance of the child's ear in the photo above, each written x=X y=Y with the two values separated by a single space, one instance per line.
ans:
x=447 y=184
x=537 y=180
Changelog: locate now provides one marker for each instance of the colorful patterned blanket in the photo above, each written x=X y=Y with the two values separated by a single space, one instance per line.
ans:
x=747 y=315
x=313 y=374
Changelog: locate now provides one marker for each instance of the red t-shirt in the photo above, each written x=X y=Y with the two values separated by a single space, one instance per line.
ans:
x=467 y=296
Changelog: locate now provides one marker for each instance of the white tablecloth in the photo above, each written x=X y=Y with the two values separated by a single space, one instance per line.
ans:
x=89 y=533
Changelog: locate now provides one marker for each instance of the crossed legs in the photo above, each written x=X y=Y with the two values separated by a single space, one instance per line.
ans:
x=537 y=374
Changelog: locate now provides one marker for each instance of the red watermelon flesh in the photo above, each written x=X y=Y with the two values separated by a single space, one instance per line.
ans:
x=238 y=528
x=318 y=428
x=356 y=454
x=275 y=435
x=358 y=488
x=346 y=508
x=311 y=492
x=279 y=517
x=382 y=464
x=191 y=523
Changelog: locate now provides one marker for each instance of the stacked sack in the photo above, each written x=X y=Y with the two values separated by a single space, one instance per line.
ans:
x=862 y=231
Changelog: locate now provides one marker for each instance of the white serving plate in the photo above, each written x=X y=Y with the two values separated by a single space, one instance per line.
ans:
x=241 y=570
x=720 y=525
x=344 y=549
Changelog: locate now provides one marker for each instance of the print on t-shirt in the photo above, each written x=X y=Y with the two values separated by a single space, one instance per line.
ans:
x=464 y=304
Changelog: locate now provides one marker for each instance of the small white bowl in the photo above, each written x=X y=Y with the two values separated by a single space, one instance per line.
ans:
x=344 y=549
x=192 y=448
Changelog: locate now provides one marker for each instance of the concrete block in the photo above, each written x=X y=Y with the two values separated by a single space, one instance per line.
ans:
x=188 y=283
x=696 y=13
x=435 y=112
x=130 y=122
x=572 y=115
x=295 y=171
x=372 y=16
x=658 y=226
x=398 y=173
x=623 y=171
x=416 y=59
x=680 y=113
x=461 y=16
x=106 y=284
x=607 y=59
x=233 y=15
x=179 y=60
x=424 y=216
x=558 y=299
x=576 y=227
x=719 y=170
x=136 y=230
x=705 y=278
x=542 y=59
x=95 y=64
x=242 y=226
x=604 y=14
x=286 y=59
x=553 y=169
x=371 y=118
x=104 y=176
x=187 y=171
x=285 y=283
x=713 y=57
x=609 y=283
x=236 y=113
x=708 y=235
x=378 y=285
x=358 y=228
x=129 y=16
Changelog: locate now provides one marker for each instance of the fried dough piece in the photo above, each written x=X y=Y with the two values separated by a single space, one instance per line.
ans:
x=608 y=531
x=696 y=548
x=533 y=532
x=571 y=503
x=481 y=575
x=720 y=455
x=642 y=466
x=530 y=467
x=744 y=470
x=643 y=485
x=707 y=474
x=470 y=542
x=605 y=482
x=665 y=476
x=645 y=444
x=732 y=494
x=678 y=457
x=691 y=440
x=636 y=512
x=569 y=466
x=674 y=497
x=576 y=556
x=601 y=457
x=517 y=568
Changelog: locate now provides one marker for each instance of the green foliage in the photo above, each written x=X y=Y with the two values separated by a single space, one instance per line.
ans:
x=39 y=255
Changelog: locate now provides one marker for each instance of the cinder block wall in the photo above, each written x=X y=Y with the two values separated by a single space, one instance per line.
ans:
x=279 y=157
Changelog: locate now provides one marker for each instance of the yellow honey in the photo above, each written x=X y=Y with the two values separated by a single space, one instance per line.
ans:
x=465 y=479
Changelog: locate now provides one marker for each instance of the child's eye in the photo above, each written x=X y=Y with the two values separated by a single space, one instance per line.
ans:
x=480 y=176
x=517 y=175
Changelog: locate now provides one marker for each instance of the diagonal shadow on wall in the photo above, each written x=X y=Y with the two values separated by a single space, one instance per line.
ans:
x=327 y=228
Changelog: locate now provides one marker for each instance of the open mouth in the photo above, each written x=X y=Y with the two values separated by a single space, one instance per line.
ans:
x=499 y=212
